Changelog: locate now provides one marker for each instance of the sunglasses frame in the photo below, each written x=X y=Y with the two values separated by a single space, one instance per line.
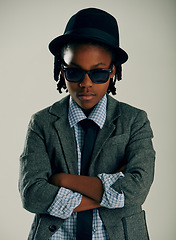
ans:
x=84 y=72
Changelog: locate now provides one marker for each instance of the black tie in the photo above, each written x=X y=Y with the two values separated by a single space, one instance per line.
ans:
x=84 y=218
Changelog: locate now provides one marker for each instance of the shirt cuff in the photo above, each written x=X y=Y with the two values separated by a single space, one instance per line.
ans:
x=111 y=198
x=64 y=203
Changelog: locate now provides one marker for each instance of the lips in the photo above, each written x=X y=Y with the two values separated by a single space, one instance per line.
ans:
x=86 y=96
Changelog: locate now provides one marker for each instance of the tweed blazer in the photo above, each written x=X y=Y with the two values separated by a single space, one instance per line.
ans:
x=50 y=148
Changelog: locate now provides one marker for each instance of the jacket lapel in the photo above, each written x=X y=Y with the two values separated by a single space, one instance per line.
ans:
x=66 y=135
x=113 y=112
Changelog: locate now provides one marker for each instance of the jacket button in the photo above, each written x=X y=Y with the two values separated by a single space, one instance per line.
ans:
x=52 y=228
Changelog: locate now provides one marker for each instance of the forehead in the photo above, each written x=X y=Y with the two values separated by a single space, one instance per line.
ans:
x=76 y=45
x=86 y=52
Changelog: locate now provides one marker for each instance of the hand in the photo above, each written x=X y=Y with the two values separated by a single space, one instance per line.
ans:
x=86 y=204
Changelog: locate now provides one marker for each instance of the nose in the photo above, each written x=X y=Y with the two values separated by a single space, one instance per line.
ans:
x=86 y=82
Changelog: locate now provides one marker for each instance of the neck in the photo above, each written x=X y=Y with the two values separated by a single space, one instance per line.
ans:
x=87 y=111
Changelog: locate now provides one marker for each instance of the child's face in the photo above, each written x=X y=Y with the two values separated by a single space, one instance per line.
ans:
x=87 y=57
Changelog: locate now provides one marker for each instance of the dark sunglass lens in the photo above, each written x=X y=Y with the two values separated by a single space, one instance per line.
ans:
x=100 y=76
x=73 y=74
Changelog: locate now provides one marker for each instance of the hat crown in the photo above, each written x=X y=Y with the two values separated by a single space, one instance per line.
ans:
x=95 y=19
x=91 y=24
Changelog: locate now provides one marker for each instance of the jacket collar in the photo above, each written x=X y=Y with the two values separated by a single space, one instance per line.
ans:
x=60 y=108
x=113 y=108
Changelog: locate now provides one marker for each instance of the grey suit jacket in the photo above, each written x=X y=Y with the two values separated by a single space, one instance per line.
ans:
x=50 y=147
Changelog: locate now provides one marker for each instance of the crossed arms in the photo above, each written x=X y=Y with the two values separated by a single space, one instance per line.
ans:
x=90 y=187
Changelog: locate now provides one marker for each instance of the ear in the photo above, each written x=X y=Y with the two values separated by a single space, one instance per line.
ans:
x=62 y=73
x=113 y=71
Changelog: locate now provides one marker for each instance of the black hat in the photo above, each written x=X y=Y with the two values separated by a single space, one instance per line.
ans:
x=91 y=24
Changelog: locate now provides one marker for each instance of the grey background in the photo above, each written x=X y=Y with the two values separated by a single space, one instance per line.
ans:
x=147 y=33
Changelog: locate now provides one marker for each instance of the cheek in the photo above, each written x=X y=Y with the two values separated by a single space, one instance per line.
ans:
x=72 y=87
x=103 y=88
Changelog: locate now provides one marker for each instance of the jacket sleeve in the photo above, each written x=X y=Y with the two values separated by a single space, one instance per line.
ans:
x=140 y=157
x=35 y=169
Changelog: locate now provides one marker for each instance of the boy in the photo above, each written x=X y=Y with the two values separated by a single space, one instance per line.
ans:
x=75 y=191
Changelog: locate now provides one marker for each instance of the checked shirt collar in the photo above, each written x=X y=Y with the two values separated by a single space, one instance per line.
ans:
x=98 y=114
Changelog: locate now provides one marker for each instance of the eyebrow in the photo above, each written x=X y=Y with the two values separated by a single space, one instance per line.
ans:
x=96 y=65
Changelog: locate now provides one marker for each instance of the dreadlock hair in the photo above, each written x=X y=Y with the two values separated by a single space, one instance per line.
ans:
x=59 y=59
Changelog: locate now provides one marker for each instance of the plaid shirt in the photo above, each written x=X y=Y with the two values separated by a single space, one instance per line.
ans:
x=66 y=200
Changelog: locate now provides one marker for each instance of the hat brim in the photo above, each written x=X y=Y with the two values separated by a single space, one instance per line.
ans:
x=56 y=44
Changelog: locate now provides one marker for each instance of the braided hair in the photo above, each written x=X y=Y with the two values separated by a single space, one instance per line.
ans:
x=58 y=61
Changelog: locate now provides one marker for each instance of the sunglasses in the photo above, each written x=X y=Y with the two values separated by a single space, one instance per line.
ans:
x=76 y=75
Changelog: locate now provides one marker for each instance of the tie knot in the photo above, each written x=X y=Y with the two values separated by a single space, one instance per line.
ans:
x=88 y=123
